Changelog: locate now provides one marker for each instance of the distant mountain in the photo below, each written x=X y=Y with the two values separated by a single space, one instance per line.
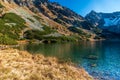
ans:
x=110 y=22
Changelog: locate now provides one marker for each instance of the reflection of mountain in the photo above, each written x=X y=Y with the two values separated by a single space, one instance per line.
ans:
x=74 y=51
x=59 y=50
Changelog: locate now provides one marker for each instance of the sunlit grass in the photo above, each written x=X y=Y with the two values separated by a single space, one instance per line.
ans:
x=20 y=65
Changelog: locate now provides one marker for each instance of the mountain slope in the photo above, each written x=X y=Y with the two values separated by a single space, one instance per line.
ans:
x=62 y=15
x=47 y=20
x=33 y=20
x=56 y=12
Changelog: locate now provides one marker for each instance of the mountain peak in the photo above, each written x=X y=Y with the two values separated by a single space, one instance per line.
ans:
x=92 y=11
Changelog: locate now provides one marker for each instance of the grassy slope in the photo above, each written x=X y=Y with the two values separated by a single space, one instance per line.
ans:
x=19 y=65
x=12 y=25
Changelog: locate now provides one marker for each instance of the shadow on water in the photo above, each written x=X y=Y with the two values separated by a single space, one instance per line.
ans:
x=100 y=58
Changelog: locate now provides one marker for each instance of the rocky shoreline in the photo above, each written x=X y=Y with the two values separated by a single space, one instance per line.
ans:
x=21 y=65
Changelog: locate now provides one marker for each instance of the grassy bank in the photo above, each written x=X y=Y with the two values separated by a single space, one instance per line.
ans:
x=20 y=65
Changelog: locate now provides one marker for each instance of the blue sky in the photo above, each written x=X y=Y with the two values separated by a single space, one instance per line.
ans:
x=83 y=7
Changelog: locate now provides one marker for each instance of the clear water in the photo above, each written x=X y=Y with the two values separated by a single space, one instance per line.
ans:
x=107 y=65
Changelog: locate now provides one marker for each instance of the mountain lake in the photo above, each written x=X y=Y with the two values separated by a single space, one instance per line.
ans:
x=101 y=59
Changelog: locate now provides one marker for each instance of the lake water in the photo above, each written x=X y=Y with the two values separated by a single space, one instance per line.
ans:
x=105 y=66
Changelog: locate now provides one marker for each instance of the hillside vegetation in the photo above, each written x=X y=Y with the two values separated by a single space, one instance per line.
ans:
x=11 y=26
x=49 y=22
x=1 y=5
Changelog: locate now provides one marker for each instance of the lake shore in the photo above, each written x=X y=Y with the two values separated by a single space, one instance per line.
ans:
x=21 y=65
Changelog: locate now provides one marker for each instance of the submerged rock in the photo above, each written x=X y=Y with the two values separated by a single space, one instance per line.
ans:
x=93 y=57
x=93 y=65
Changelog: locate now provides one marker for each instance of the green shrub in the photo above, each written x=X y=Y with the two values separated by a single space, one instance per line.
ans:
x=60 y=39
x=80 y=32
x=39 y=35
x=12 y=17
x=7 y=40
x=48 y=29
x=11 y=25
x=1 y=6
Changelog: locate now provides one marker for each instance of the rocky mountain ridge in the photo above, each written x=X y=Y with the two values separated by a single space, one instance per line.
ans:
x=54 y=11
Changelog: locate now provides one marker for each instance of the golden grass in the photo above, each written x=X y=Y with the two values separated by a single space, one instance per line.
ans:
x=21 y=65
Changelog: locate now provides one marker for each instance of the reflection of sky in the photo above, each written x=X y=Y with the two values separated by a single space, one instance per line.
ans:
x=85 y=6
